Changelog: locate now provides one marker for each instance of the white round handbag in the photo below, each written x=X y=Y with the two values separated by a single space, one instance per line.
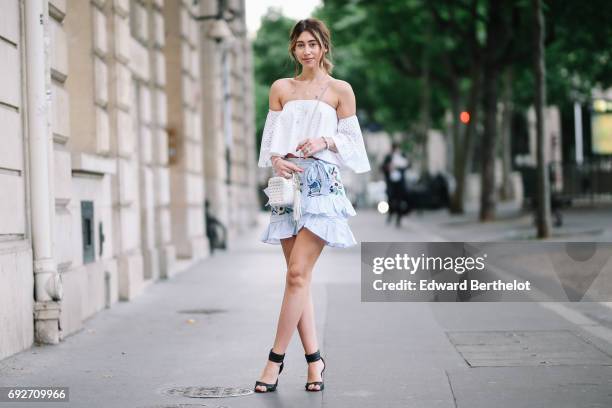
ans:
x=283 y=191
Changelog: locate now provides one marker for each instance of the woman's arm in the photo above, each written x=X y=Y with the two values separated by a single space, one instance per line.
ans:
x=347 y=105
x=270 y=126
x=281 y=166
x=348 y=140
x=274 y=97
x=331 y=145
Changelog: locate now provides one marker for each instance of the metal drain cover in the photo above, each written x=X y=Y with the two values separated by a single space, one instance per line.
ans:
x=208 y=392
x=526 y=348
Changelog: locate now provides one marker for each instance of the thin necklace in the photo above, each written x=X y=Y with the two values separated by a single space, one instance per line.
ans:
x=317 y=89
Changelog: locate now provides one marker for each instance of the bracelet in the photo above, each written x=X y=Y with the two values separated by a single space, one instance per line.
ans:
x=326 y=143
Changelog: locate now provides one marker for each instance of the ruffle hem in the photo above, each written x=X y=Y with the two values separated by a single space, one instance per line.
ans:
x=325 y=216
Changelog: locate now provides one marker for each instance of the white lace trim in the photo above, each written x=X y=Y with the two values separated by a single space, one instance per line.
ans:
x=272 y=120
x=350 y=145
x=348 y=139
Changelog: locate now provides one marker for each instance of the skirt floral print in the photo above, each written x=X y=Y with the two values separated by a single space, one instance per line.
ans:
x=324 y=204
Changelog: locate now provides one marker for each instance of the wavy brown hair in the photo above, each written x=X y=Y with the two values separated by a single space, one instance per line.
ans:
x=321 y=33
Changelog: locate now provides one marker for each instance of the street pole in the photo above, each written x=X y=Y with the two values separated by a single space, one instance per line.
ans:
x=578 y=133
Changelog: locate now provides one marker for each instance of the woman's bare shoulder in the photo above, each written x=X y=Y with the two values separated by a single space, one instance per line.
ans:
x=341 y=87
x=345 y=97
x=281 y=84
x=278 y=91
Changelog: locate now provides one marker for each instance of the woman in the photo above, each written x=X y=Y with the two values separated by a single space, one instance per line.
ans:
x=311 y=115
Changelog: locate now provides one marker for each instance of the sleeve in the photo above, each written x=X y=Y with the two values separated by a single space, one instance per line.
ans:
x=349 y=142
x=272 y=120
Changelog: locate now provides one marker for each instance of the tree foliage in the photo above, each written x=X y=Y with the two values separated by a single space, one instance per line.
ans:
x=412 y=61
x=271 y=61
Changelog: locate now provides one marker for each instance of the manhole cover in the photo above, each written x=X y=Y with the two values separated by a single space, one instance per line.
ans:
x=526 y=348
x=208 y=392
x=202 y=311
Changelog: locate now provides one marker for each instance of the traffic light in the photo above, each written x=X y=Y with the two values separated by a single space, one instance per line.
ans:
x=464 y=117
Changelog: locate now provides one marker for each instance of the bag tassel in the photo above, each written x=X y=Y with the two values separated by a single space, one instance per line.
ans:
x=297 y=198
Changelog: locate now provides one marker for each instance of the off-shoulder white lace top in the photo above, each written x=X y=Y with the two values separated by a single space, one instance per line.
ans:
x=285 y=129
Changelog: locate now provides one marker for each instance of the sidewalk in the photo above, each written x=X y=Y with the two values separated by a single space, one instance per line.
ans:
x=579 y=224
x=214 y=324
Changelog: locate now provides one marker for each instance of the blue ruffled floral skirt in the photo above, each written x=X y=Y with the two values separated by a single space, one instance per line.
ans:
x=325 y=207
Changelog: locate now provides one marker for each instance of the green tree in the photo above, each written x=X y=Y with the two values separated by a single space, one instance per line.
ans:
x=411 y=61
x=578 y=48
x=421 y=58
x=271 y=61
x=382 y=53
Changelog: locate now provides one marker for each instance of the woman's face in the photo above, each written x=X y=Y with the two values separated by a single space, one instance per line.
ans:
x=307 y=50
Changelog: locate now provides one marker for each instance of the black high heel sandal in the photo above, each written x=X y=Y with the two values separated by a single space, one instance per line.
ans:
x=311 y=358
x=275 y=358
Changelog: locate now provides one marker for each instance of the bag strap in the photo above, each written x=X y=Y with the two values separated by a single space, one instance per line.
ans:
x=314 y=110
x=317 y=104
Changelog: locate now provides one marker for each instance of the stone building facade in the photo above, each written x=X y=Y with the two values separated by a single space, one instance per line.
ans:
x=120 y=119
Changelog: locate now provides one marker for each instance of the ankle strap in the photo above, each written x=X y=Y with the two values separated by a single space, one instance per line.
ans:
x=311 y=358
x=276 y=358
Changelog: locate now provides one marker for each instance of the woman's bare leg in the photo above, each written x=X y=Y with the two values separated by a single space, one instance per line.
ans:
x=306 y=324
x=308 y=335
x=303 y=253
x=306 y=327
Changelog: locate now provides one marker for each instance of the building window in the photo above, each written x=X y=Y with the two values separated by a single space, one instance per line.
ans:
x=139 y=23
x=87 y=225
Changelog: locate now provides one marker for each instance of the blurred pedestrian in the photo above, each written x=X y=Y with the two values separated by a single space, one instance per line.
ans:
x=319 y=215
x=394 y=168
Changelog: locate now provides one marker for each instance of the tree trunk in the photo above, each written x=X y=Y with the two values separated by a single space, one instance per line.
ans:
x=543 y=211
x=506 y=128
x=489 y=139
x=456 y=207
x=495 y=35
x=464 y=151
x=425 y=119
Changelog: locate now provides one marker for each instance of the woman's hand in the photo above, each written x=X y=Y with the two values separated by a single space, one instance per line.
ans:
x=284 y=168
x=311 y=146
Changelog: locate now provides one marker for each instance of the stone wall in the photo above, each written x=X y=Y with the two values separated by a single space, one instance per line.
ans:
x=138 y=143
